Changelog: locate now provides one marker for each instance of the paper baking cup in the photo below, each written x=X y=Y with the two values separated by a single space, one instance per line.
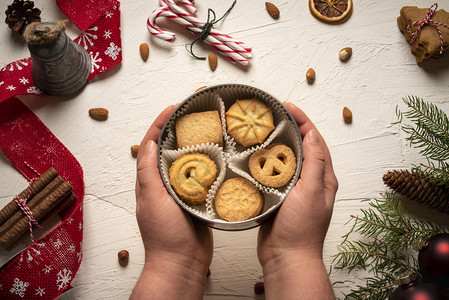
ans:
x=231 y=159
x=215 y=153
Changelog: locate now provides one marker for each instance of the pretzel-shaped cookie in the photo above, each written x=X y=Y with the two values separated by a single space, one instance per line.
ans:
x=191 y=176
x=273 y=166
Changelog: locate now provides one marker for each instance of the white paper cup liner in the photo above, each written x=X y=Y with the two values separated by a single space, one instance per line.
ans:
x=230 y=93
x=203 y=101
x=216 y=154
x=286 y=135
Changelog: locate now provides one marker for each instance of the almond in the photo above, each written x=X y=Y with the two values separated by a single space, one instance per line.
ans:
x=272 y=9
x=345 y=53
x=99 y=114
x=123 y=257
x=144 y=51
x=310 y=75
x=213 y=61
x=347 y=115
x=135 y=150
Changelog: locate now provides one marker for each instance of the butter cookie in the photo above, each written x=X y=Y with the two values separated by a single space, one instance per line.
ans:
x=191 y=176
x=199 y=128
x=238 y=199
x=249 y=121
x=274 y=166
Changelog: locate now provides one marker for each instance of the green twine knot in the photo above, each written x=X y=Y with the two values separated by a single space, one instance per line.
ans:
x=205 y=29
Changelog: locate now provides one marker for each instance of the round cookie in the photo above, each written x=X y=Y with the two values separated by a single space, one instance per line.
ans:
x=249 y=121
x=191 y=176
x=238 y=199
x=274 y=166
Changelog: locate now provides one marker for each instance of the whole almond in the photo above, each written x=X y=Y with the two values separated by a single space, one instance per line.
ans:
x=347 y=115
x=310 y=75
x=272 y=9
x=345 y=53
x=213 y=61
x=123 y=257
x=135 y=150
x=144 y=51
x=99 y=114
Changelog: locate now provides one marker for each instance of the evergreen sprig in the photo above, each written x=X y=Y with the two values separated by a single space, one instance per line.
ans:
x=384 y=249
x=386 y=234
x=429 y=132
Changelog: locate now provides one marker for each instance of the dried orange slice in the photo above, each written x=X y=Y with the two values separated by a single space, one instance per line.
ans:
x=331 y=11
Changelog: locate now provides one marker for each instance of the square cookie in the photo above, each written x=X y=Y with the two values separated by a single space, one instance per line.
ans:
x=199 y=128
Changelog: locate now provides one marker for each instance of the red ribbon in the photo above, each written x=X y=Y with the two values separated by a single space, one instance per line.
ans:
x=46 y=268
x=424 y=22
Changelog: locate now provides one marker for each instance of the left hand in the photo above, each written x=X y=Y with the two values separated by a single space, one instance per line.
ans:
x=168 y=233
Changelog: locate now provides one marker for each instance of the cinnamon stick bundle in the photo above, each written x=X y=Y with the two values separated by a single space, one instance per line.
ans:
x=42 y=196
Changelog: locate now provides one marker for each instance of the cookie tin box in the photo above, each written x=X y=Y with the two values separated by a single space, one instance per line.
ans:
x=231 y=154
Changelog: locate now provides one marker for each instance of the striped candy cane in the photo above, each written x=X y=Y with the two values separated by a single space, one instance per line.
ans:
x=236 y=45
x=233 y=50
x=169 y=36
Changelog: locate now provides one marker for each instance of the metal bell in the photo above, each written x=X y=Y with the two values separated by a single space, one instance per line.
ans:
x=60 y=67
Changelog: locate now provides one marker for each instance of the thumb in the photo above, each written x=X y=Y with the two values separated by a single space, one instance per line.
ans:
x=148 y=176
x=312 y=174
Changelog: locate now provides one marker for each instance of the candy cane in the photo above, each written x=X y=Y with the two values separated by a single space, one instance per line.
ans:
x=169 y=36
x=233 y=50
x=236 y=45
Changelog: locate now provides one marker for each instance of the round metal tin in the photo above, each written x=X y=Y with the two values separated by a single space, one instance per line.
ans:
x=221 y=224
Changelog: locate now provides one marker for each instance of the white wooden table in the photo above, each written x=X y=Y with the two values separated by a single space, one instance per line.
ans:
x=381 y=71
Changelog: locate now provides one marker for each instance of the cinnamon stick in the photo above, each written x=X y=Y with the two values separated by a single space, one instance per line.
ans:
x=32 y=203
x=39 y=210
x=36 y=186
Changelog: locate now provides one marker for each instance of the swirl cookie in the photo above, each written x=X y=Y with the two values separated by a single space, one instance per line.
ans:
x=238 y=199
x=199 y=128
x=249 y=121
x=274 y=166
x=191 y=176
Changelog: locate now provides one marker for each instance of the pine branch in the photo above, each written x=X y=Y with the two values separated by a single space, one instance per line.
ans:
x=431 y=128
x=374 y=289
x=386 y=238
x=438 y=175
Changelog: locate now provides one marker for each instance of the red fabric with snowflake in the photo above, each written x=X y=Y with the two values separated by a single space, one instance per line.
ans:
x=46 y=268
x=101 y=39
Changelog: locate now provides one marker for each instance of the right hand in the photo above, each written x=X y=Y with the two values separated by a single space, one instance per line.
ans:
x=301 y=223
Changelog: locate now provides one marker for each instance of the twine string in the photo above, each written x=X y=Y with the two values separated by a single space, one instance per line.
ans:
x=206 y=28
x=427 y=21
x=22 y=203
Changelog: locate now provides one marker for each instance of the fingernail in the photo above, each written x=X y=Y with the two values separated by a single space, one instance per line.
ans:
x=151 y=146
x=313 y=137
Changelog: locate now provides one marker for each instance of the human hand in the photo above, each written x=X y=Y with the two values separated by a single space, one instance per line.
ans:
x=175 y=244
x=293 y=240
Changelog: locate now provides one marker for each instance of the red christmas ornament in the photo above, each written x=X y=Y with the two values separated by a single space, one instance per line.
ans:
x=418 y=290
x=433 y=260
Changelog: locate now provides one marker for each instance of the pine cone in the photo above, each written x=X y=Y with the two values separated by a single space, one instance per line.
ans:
x=21 y=13
x=418 y=188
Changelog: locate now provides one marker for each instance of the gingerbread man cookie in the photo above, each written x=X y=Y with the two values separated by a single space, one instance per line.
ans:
x=274 y=166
